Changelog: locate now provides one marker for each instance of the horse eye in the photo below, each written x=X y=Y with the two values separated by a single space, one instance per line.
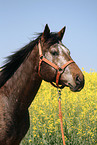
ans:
x=54 y=53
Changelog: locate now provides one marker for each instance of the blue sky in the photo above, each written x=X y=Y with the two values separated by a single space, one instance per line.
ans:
x=20 y=19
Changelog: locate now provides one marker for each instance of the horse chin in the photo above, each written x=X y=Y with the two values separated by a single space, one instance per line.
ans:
x=61 y=85
x=76 y=88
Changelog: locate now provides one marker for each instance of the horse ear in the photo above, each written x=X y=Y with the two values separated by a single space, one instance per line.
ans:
x=46 y=33
x=61 y=33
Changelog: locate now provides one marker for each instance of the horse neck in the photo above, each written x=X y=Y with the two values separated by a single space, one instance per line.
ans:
x=22 y=87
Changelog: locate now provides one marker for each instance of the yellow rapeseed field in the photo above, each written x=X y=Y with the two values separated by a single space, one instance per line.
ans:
x=79 y=115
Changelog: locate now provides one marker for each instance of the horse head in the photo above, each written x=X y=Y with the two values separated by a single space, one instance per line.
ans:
x=56 y=64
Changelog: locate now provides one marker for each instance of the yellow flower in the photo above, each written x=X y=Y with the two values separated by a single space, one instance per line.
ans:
x=30 y=140
x=79 y=111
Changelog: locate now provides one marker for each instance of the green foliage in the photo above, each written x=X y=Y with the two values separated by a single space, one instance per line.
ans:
x=79 y=115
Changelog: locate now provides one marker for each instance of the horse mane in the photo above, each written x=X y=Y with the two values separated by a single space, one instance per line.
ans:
x=14 y=61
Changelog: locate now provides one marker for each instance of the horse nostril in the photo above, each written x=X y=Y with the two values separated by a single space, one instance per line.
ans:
x=78 y=80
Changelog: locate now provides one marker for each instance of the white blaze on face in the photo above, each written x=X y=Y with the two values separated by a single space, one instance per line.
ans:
x=64 y=52
x=64 y=49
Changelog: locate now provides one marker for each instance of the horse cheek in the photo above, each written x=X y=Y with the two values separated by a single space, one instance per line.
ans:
x=48 y=73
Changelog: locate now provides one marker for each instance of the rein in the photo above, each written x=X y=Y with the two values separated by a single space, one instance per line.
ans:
x=59 y=70
x=60 y=116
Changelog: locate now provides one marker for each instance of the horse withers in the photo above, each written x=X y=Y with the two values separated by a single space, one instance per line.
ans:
x=44 y=58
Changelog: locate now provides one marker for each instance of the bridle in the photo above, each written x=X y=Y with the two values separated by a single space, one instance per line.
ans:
x=59 y=70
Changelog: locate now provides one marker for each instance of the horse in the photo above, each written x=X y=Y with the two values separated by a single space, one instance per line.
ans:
x=44 y=58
